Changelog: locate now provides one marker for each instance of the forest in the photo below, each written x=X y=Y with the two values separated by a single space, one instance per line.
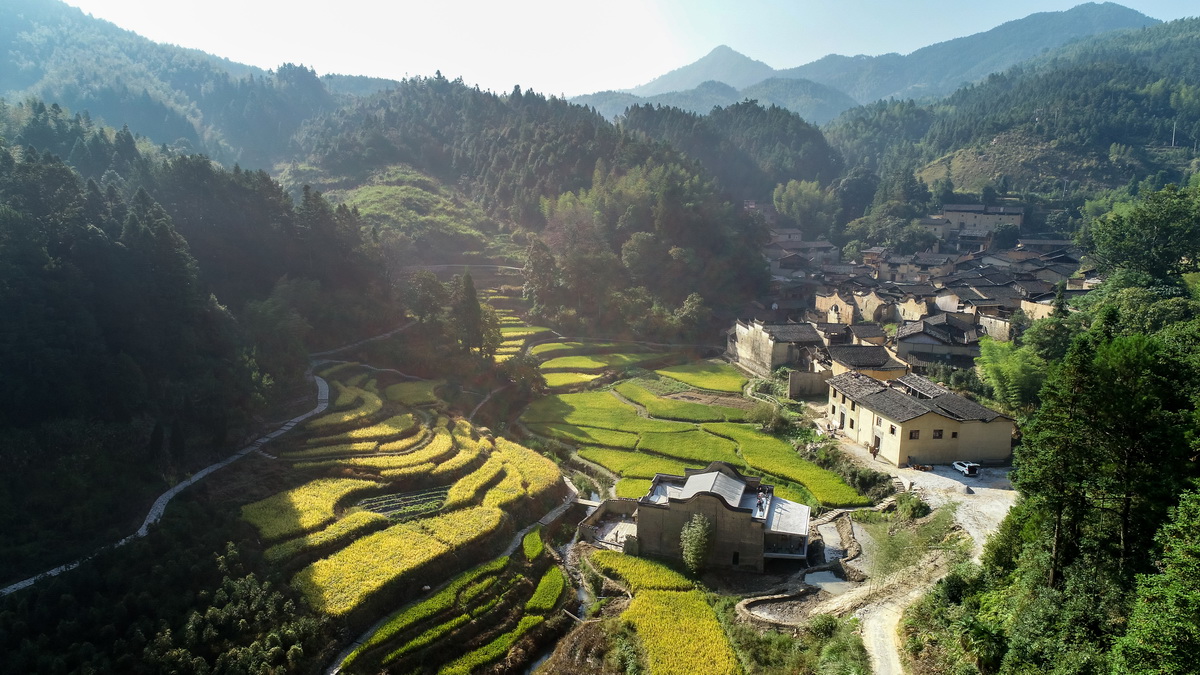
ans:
x=176 y=244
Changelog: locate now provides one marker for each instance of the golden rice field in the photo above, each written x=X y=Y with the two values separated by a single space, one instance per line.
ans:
x=369 y=404
x=568 y=379
x=597 y=362
x=344 y=530
x=468 y=488
x=680 y=634
x=304 y=508
x=632 y=488
x=359 y=448
x=396 y=425
x=640 y=574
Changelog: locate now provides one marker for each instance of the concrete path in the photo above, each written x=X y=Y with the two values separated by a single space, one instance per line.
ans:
x=160 y=505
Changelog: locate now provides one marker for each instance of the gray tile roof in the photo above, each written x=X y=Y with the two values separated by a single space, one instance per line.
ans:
x=895 y=405
x=864 y=356
x=715 y=482
x=792 y=332
x=922 y=385
x=867 y=330
x=856 y=385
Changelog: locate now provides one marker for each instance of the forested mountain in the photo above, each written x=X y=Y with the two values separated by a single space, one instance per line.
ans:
x=942 y=68
x=177 y=96
x=814 y=102
x=722 y=64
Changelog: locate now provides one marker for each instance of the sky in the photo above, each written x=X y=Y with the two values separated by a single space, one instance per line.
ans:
x=561 y=47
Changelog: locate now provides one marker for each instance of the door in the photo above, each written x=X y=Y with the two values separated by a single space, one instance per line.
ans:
x=842 y=420
x=876 y=444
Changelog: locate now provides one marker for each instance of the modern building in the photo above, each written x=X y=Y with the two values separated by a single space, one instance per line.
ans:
x=750 y=523
x=913 y=420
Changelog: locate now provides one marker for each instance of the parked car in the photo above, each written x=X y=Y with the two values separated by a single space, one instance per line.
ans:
x=968 y=469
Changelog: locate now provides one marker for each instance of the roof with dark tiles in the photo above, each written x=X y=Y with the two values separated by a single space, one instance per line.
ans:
x=875 y=357
x=909 y=397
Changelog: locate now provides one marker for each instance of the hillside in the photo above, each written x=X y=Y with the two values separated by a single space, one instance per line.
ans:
x=182 y=97
x=722 y=64
x=816 y=103
x=939 y=69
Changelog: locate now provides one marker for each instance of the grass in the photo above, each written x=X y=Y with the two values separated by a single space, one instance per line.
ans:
x=713 y=376
x=671 y=409
x=597 y=362
x=304 y=508
x=414 y=393
x=696 y=446
x=634 y=464
x=568 y=379
x=633 y=488
x=777 y=457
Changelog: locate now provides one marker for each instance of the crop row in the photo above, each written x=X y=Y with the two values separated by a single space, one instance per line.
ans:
x=586 y=435
x=369 y=404
x=406 y=443
x=439 y=448
x=540 y=473
x=680 y=634
x=362 y=447
x=713 y=376
x=639 y=574
x=392 y=427
x=338 y=584
x=633 y=464
x=671 y=409
x=597 y=362
x=351 y=527
x=568 y=379
x=414 y=393
x=468 y=488
x=302 y=508
x=488 y=653
x=426 y=609
x=532 y=544
x=567 y=348
x=696 y=446
x=549 y=590
x=401 y=499
x=344 y=395
x=595 y=409
x=777 y=457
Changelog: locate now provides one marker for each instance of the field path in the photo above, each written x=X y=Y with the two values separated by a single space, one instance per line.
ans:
x=160 y=505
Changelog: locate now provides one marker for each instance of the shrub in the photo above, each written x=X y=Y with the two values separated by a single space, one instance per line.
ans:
x=695 y=541
x=303 y=508
x=549 y=590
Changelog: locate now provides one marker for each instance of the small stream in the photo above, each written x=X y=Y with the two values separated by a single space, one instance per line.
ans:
x=828 y=582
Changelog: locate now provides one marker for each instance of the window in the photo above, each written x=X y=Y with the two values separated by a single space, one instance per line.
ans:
x=852 y=406
x=892 y=429
x=735 y=558
x=953 y=434
x=843 y=398
x=878 y=421
x=832 y=409
x=914 y=435
x=937 y=433
x=851 y=422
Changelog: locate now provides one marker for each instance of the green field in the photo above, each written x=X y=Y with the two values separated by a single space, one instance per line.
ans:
x=714 y=376
x=586 y=435
x=568 y=379
x=632 y=488
x=694 y=446
x=597 y=362
x=774 y=456
x=595 y=409
x=671 y=409
x=635 y=464
x=566 y=348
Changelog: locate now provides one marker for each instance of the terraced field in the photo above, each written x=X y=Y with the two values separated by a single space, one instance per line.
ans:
x=388 y=499
x=608 y=431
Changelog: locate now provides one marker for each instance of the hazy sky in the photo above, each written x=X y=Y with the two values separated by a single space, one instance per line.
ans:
x=561 y=46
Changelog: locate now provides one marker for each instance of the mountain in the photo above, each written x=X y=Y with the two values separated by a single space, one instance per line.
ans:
x=814 y=102
x=939 y=69
x=181 y=97
x=721 y=65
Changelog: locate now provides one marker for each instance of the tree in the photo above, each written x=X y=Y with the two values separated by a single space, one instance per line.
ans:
x=813 y=209
x=1164 y=629
x=695 y=540
x=1159 y=236
x=1006 y=235
x=424 y=295
x=466 y=315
